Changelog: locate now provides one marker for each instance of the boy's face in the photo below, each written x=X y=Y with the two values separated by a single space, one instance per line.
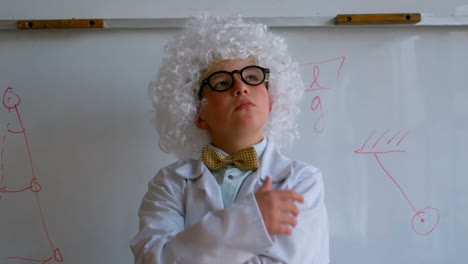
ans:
x=241 y=111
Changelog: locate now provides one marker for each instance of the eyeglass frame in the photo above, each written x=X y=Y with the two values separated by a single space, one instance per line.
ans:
x=206 y=81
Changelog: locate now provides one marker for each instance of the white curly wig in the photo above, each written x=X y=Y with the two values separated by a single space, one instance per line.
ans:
x=191 y=51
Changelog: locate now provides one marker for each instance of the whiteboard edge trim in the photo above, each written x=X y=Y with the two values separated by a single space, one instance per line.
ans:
x=272 y=22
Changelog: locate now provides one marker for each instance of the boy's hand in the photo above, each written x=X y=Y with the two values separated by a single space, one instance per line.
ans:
x=278 y=209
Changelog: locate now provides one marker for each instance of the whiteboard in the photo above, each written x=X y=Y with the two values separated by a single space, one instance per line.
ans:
x=384 y=117
x=66 y=9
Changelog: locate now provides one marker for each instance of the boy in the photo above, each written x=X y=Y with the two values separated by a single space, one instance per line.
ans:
x=228 y=90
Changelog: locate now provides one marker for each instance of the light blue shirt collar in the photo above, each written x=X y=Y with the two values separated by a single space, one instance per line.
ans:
x=259 y=148
x=230 y=178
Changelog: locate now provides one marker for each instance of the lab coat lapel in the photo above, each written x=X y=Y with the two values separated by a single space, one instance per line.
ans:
x=206 y=189
x=207 y=184
x=202 y=193
x=272 y=164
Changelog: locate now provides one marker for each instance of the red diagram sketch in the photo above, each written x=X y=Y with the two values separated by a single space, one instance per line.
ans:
x=15 y=185
x=424 y=220
x=334 y=65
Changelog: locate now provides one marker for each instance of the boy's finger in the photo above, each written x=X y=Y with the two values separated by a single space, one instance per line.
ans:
x=266 y=185
x=288 y=219
x=291 y=195
x=290 y=208
x=282 y=230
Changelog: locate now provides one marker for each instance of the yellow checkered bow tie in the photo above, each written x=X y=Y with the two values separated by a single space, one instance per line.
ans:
x=245 y=159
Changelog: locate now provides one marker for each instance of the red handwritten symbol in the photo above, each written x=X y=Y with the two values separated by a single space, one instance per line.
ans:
x=11 y=101
x=316 y=104
x=424 y=220
x=34 y=187
x=2 y=167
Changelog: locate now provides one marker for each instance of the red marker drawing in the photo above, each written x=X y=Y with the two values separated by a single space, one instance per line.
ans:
x=316 y=104
x=424 y=220
x=11 y=101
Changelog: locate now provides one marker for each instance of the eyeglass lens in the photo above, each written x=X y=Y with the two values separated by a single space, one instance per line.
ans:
x=223 y=80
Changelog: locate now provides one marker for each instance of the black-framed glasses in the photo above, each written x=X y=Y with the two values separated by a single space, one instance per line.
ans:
x=221 y=81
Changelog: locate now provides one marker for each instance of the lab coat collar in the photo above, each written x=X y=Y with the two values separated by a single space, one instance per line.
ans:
x=274 y=164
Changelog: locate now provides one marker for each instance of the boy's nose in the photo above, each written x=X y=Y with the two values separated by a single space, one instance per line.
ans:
x=239 y=87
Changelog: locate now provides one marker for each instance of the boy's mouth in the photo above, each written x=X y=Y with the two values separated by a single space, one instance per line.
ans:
x=244 y=104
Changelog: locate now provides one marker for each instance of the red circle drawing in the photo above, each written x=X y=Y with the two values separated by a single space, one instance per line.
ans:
x=10 y=99
x=425 y=220
x=58 y=255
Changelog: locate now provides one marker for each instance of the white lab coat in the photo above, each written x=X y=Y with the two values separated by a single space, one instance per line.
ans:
x=183 y=220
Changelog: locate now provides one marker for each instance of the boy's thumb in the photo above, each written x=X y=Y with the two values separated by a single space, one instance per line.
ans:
x=266 y=185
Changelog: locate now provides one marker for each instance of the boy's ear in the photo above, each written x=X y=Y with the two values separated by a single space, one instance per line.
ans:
x=200 y=122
